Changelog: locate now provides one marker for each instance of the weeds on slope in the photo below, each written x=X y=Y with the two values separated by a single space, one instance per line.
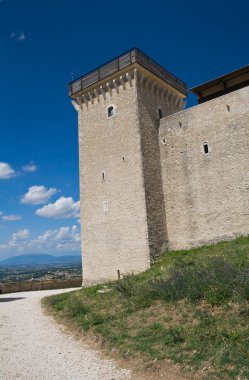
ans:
x=192 y=307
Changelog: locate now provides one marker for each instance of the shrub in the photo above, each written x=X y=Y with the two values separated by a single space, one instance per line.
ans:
x=216 y=281
x=76 y=308
x=57 y=302
x=126 y=286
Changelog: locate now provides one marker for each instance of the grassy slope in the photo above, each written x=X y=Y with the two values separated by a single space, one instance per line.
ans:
x=192 y=307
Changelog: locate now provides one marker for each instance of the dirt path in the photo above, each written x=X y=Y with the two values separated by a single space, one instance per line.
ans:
x=34 y=347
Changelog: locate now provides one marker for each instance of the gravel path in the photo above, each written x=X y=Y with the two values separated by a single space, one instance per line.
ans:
x=34 y=347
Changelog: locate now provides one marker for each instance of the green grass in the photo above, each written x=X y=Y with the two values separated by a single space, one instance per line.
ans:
x=191 y=307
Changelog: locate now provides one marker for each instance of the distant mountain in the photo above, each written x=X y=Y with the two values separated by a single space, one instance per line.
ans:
x=40 y=259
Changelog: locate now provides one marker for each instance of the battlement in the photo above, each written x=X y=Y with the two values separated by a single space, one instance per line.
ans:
x=130 y=59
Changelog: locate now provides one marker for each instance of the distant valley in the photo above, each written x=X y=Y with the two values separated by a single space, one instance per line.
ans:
x=41 y=259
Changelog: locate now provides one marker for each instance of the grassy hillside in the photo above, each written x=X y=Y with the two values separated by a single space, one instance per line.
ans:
x=191 y=308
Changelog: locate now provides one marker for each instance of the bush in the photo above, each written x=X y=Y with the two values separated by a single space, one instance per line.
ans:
x=76 y=308
x=56 y=302
x=126 y=286
x=216 y=281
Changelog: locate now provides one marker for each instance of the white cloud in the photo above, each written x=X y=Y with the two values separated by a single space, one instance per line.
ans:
x=63 y=234
x=58 y=241
x=11 y=218
x=64 y=239
x=63 y=208
x=6 y=171
x=20 y=235
x=31 y=167
x=38 y=195
x=18 y=36
x=67 y=233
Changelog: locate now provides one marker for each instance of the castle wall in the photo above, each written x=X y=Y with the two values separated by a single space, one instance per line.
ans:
x=115 y=233
x=206 y=195
x=149 y=101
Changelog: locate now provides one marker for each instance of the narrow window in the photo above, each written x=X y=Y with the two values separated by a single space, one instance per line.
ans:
x=180 y=124
x=164 y=141
x=105 y=206
x=228 y=107
x=110 y=111
x=205 y=148
x=160 y=113
x=103 y=176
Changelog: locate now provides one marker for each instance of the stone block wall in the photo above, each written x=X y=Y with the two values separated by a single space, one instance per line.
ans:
x=206 y=195
x=151 y=99
x=14 y=287
x=113 y=209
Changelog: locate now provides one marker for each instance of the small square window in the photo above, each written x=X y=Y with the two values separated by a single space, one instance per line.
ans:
x=205 y=148
x=110 y=111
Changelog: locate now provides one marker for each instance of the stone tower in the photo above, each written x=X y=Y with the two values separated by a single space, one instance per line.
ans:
x=119 y=106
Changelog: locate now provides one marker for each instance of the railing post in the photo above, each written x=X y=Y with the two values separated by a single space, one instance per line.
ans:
x=136 y=55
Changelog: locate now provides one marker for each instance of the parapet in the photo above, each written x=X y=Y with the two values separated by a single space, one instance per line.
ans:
x=131 y=59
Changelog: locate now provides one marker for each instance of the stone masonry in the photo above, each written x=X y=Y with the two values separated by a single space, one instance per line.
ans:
x=153 y=176
x=206 y=195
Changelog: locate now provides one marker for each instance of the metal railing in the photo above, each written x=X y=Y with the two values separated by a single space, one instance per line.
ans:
x=121 y=62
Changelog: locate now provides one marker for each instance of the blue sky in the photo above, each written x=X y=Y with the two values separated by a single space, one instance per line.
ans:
x=41 y=44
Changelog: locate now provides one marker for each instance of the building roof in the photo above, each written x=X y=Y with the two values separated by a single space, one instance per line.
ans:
x=131 y=57
x=222 y=85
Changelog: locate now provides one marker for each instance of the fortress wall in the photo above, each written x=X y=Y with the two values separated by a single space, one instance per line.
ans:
x=116 y=239
x=206 y=195
x=13 y=287
x=148 y=104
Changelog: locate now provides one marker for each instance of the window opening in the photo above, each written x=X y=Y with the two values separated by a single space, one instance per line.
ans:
x=205 y=147
x=160 y=113
x=164 y=141
x=110 y=111
x=103 y=176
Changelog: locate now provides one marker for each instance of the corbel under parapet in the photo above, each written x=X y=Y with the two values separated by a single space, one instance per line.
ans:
x=103 y=92
x=91 y=96
x=116 y=85
x=109 y=88
x=75 y=105
x=97 y=93
x=129 y=78
x=85 y=99
x=122 y=81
